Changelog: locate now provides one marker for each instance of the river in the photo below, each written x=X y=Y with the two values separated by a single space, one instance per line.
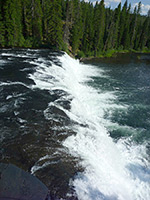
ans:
x=81 y=128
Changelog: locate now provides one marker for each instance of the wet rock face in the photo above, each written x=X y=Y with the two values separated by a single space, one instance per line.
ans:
x=18 y=184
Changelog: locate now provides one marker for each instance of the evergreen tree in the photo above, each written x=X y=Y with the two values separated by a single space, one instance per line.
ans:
x=133 y=27
x=32 y=22
x=13 y=23
x=126 y=34
x=88 y=31
x=2 y=28
x=148 y=40
x=109 y=29
x=145 y=32
x=68 y=22
x=46 y=6
x=27 y=20
x=122 y=24
x=99 y=26
x=112 y=28
x=138 y=28
x=36 y=12
x=53 y=23
x=116 y=27
x=76 y=32
x=78 y=24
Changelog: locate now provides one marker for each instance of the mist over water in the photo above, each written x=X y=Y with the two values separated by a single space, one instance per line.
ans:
x=92 y=121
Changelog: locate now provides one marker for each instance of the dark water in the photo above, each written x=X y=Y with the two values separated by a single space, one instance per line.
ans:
x=128 y=76
x=26 y=135
x=82 y=129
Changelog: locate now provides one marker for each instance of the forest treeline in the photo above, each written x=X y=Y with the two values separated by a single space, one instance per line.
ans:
x=73 y=25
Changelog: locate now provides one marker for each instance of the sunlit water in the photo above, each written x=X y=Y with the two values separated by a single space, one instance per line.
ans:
x=99 y=114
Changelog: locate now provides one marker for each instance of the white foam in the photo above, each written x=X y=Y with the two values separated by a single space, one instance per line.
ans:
x=113 y=171
x=9 y=97
x=108 y=173
x=13 y=83
x=22 y=120
x=10 y=55
x=47 y=158
x=2 y=62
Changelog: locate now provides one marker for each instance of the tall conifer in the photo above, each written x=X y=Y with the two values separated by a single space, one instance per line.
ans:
x=99 y=26
x=88 y=32
x=54 y=25
x=2 y=27
x=76 y=32
x=13 y=23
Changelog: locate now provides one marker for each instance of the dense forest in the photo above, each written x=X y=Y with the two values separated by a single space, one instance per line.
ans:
x=73 y=25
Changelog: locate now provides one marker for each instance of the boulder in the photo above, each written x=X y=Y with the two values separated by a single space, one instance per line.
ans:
x=17 y=184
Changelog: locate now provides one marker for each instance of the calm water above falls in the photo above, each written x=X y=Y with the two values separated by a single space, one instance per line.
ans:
x=83 y=129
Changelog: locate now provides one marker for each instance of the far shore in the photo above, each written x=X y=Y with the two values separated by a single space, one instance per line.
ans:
x=113 y=56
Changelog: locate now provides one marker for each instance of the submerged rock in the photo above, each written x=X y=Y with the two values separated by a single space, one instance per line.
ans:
x=18 y=184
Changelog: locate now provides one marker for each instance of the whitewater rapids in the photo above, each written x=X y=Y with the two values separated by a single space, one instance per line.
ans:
x=113 y=170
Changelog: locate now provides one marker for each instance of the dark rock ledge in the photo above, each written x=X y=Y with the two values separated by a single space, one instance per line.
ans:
x=16 y=184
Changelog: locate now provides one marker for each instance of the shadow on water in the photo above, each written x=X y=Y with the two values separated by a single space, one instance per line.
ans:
x=140 y=172
x=96 y=194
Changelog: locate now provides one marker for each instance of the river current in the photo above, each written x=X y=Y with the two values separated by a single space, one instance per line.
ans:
x=81 y=128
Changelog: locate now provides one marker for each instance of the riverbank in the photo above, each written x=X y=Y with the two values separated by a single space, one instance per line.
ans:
x=114 y=54
x=82 y=57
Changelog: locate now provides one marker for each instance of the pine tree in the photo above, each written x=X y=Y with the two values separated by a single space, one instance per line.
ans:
x=109 y=29
x=122 y=24
x=13 y=23
x=27 y=19
x=88 y=36
x=68 y=22
x=77 y=31
x=2 y=27
x=144 y=35
x=133 y=27
x=138 y=28
x=148 y=40
x=78 y=24
x=32 y=22
x=116 y=29
x=36 y=21
x=53 y=23
x=99 y=26
x=112 y=28
x=126 y=34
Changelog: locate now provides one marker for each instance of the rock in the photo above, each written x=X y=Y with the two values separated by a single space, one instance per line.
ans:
x=18 y=184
